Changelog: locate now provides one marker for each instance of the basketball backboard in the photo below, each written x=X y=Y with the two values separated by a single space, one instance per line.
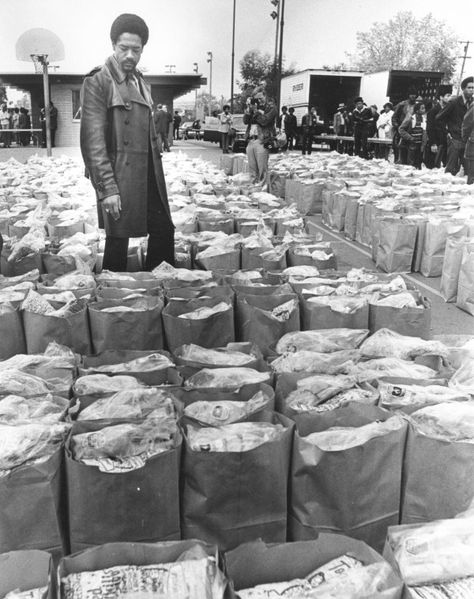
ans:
x=39 y=42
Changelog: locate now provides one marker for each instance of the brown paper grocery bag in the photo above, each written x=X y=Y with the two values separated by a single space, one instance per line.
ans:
x=438 y=478
x=26 y=570
x=213 y=331
x=396 y=244
x=71 y=330
x=33 y=507
x=415 y=322
x=354 y=491
x=256 y=562
x=232 y=497
x=465 y=294
x=140 y=505
x=255 y=321
x=127 y=329
x=12 y=337
x=135 y=554
x=317 y=316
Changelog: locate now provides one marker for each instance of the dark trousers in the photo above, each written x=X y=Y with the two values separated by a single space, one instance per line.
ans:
x=307 y=142
x=290 y=140
x=160 y=235
x=360 y=142
x=469 y=168
x=414 y=155
x=225 y=142
x=455 y=156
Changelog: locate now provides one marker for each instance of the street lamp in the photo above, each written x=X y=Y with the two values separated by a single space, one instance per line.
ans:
x=209 y=60
x=195 y=70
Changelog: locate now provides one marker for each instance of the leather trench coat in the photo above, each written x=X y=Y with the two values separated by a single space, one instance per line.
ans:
x=117 y=134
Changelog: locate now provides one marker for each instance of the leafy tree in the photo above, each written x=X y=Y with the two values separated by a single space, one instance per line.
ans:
x=406 y=43
x=258 y=69
x=207 y=104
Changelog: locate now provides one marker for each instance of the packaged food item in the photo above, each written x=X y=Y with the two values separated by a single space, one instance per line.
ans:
x=102 y=384
x=325 y=340
x=130 y=404
x=217 y=413
x=186 y=579
x=225 y=378
x=242 y=436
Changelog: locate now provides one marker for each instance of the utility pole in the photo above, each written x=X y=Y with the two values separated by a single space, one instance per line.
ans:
x=195 y=70
x=464 y=58
x=232 y=63
x=280 y=55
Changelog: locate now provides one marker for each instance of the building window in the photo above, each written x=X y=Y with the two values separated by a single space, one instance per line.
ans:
x=76 y=104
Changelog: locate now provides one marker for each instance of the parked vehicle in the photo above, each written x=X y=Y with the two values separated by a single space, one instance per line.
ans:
x=211 y=131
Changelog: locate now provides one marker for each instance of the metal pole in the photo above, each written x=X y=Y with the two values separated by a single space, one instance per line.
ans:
x=46 y=106
x=466 y=48
x=276 y=37
x=232 y=62
x=280 y=56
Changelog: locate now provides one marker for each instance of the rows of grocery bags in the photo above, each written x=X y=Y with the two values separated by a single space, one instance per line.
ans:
x=171 y=306
x=420 y=561
x=336 y=431
x=411 y=220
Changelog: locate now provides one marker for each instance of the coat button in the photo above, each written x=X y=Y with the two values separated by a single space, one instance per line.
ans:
x=127 y=104
x=125 y=142
x=127 y=122
x=127 y=163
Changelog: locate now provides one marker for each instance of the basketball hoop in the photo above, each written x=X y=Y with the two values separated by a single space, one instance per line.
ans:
x=38 y=45
x=39 y=60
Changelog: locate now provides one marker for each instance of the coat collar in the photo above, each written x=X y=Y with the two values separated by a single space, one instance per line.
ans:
x=128 y=92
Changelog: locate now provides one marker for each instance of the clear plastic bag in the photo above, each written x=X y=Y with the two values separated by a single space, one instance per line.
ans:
x=131 y=403
x=242 y=436
x=325 y=340
x=102 y=384
x=225 y=378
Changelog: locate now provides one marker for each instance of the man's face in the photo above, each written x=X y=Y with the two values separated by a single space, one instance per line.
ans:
x=445 y=99
x=128 y=50
x=468 y=91
x=359 y=105
x=412 y=98
x=261 y=97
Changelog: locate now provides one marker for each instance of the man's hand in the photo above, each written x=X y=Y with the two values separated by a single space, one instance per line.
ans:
x=112 y=206
x=434 y=148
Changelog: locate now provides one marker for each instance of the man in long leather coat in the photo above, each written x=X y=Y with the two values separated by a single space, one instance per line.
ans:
x=120 y=149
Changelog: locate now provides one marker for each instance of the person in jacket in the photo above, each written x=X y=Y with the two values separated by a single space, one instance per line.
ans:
x=413 y=134
x=437 y=144
x=362 y=117
x=259 y=116
x=24 y=123
x=400 y=112
x=467 y=136
x=451 y=116
x=339 y=123
x=176 y=124
x=385 y=129
x=308 y=126
x=53 y=123
x=290 y=128
x=120 y=150
x=225 y=127
x=282 y=124
x=162 y=126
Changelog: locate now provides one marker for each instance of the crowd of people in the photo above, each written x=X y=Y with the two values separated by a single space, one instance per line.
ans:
x=15 y=125
x=17 y=119
x=437 y=133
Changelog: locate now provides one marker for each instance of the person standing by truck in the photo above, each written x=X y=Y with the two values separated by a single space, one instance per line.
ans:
x=308 y=126
x=437 y=145
x=290 y=128
x=451 y=116
x=225 y=126
x=362 y=117
x=260 y=116
x=400 y=112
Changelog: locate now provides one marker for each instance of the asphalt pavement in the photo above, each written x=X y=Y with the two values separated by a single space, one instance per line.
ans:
x=447 y=319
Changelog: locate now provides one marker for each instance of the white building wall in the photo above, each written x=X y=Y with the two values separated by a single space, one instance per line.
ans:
x=67 y=134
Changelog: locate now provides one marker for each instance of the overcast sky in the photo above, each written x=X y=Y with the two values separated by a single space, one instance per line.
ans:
x=316 y=32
